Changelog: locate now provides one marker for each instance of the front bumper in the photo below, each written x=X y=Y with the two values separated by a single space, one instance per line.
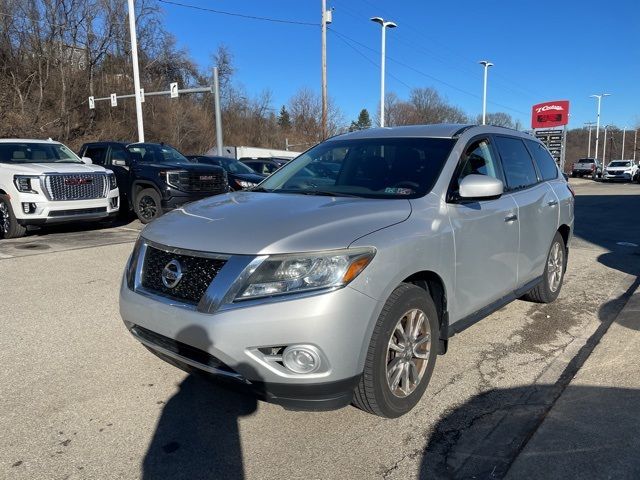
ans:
x=625 y=177
x=44 y=211
x=225 y=343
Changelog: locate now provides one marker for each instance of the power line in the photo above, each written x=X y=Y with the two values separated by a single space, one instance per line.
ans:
x=233 y=14
x=420 y=72
x=372 y=62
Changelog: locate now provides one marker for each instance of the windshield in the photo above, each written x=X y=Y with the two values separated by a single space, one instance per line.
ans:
x=620 y=163
x=229 y=164
x=36 y=153
x=150 y=152
x=372 y=168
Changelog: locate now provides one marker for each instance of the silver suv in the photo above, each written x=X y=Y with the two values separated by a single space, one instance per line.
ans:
x=343 y=275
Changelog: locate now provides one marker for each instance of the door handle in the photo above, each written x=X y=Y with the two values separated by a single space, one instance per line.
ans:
x=511 y=218
x=552 y=203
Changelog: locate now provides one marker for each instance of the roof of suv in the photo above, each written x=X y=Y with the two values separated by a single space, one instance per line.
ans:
x=25 y=140
x=439 y=130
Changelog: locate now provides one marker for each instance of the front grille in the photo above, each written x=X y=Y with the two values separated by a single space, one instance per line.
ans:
x=179 y=348
x=81 y=186
x=205 y=182
x=197 y=274
x=77 y=211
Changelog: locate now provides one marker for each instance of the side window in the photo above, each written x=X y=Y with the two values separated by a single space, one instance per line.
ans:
x=516 y=162
x=96 y=154
x=119 y=153
x=478 y=159
x=545 y=162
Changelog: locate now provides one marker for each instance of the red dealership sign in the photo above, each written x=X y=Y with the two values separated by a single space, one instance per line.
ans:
x=550 y=114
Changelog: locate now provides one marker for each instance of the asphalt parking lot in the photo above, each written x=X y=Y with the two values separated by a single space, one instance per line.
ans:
x=81 y=399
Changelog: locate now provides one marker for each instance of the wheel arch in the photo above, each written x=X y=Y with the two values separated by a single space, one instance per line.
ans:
x=433 y=283
x=139 y=185
x=565 y=231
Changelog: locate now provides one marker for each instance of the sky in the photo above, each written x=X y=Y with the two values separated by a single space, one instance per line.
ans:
x=542 y=51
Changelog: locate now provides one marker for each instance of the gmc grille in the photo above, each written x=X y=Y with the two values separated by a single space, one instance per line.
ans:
x=206 y=182
x=197 y=274
x=81 y=186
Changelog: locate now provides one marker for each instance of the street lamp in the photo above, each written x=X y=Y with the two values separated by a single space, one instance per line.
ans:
x=486 y=64
x=599 y=97
x=604 y=147
x=589 y=124
x=385 y=24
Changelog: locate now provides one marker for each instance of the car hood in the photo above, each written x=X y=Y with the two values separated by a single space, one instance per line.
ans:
x=40 y=168
x=188 y=166
x=268 y=223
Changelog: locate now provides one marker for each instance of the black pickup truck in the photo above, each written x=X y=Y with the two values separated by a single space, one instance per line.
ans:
x=153 y=177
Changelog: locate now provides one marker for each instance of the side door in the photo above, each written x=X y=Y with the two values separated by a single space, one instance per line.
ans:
x=537 y=206
x=119 y=161
x=485 y=234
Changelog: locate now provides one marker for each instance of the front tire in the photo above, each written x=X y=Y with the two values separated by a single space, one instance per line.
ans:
x=147 y=205
x=402 y=354
x=9 y=226
x=549 y=289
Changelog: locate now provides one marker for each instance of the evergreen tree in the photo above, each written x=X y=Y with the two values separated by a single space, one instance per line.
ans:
x=284 y=119
x=363 y=122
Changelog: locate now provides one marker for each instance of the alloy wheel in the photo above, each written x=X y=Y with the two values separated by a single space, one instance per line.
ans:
x=4 y=218
x=555 y=264
x=408 y=353
x=148 y=208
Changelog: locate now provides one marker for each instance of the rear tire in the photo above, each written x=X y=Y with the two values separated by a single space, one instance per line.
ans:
x=402 y=354
x=147 y=205
x=9 y=226
x=549 y=289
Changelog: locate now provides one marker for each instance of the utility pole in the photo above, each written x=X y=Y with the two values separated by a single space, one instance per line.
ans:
x=325 y=14
x=635 y=144
x=216 y=99
x=384 y=24
x=624 y=133
x=486 y=65
x=604 y=148
x=136 y=70
x=599 y=97
x=589 y=124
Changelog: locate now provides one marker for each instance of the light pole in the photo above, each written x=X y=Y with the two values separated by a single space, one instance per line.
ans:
x=486 y=64
x=635 y=144
x=604 y=148
x=136 y=70
x=599 y=97
x=385 y=24
x=589 y=124
x=624 y=134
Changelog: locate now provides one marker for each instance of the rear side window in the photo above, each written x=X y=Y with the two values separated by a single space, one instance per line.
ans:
x=545 y=162
x=516 y=163
x=96 y=154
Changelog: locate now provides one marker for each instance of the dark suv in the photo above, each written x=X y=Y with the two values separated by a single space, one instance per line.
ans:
x=153 y=177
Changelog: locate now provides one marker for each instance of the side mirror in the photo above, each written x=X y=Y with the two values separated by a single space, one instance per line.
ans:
x=480 y=187
x=119 y=163
x=86 y=160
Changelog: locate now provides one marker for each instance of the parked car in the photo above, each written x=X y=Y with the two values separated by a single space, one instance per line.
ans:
x=240 y=175
x=587 y=166
x=155 y=178
x=265 y=166
x=318 y=291
x=625 y=170
x=43 y=182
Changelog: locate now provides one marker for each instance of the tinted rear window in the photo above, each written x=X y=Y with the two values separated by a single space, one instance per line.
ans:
x=545 y=162
x=516 y=163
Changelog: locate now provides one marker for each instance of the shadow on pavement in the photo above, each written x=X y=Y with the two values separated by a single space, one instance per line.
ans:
x=591 y=433
x=197 y=435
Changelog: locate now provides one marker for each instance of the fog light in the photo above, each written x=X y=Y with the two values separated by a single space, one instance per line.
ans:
x=301 y=358
x=28 y=207
x=114 y=202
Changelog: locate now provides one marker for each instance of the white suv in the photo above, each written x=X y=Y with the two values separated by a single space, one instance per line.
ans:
x=44 y=182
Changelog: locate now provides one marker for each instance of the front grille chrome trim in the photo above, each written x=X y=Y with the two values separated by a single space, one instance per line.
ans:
x=184 y=251
x=54 y=187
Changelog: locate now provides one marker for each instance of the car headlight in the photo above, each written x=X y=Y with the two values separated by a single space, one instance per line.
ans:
x=172 y=178
x=113 y=183
x=132 y=264
x=282 y=274
x=245 y=184
x=24 y=183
